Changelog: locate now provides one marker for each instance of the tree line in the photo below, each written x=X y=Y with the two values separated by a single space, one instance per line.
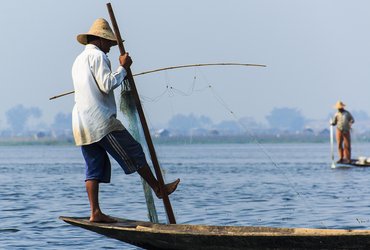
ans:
x=284 y=119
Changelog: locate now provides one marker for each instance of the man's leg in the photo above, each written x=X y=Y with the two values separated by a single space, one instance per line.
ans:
x=92 y=189
x=347 y=145
x=148 y=176
x=98 y=169
x=339 y=138
x=130 y=156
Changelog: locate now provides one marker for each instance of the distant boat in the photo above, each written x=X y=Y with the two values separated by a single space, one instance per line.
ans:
x=360 y=162
x=354 y=162
x=149 y=235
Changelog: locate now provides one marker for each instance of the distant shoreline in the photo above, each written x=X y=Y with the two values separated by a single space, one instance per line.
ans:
x=230 y=139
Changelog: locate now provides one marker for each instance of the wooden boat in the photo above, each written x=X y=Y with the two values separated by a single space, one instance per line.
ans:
x=149 y=235
x=353 y=163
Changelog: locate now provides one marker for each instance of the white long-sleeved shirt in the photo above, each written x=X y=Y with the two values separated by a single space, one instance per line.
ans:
x=94 y=112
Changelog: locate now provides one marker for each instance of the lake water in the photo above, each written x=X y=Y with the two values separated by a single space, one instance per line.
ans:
x=278 y=185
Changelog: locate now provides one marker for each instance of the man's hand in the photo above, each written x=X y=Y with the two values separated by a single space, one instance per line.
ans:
x=331 y=122
x=125 y=61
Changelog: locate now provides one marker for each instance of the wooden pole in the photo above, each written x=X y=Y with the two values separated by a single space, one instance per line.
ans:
x=148 y=138
x=60 y=95
x=332 y=144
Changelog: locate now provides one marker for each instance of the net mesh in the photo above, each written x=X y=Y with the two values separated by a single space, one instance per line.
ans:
x=128 y=108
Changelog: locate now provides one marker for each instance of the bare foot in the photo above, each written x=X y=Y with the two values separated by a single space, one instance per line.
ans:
x=170 y=188
x=102 y=218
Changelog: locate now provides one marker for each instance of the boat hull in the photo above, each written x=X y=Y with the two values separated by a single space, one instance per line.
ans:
x=161 y=236
x=353 y=163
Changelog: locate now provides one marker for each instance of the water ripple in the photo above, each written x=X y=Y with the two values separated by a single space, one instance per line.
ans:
x=220 y=185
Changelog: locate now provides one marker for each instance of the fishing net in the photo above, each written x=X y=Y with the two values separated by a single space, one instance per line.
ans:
x=128 y=108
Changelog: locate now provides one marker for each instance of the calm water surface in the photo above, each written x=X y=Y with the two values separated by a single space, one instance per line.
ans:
x=279 y=185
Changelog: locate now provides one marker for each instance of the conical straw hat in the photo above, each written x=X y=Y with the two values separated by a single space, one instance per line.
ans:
x=100 y=28
x=339 y=105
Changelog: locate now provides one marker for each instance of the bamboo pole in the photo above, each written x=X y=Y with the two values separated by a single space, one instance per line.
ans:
x=130 y=78
x=60 y=95
x=178 y=67
x=199 y=65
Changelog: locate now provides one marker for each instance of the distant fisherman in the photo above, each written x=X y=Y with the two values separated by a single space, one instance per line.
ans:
x=95 y=126
x=344 y=120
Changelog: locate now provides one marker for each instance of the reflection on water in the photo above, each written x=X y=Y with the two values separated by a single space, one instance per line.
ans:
x=231 y=184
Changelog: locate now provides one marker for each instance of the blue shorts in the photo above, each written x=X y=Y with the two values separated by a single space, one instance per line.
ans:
x=121 y=146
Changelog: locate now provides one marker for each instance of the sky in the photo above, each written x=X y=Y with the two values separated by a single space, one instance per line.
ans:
x=316 y=52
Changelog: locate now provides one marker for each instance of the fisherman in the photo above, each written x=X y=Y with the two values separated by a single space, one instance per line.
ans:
x=95 y=126
x=343 y=120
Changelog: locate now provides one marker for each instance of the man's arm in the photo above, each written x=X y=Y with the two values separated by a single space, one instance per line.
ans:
x=351 y=120
x=105 y=78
